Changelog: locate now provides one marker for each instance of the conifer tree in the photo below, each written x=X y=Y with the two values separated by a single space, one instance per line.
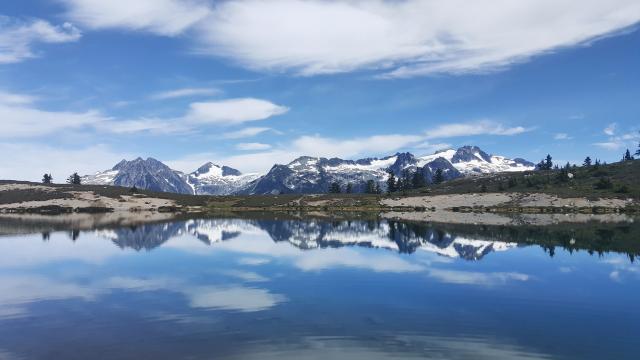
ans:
x=391 y=183
x=418 y=180
x=371 y=187
x=439 y=177
x=548 y=164
x=587 y=162
x=47 y=179
x=74 y=179
x=627 y=156
x=334 y=188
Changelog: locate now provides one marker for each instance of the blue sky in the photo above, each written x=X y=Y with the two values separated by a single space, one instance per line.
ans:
x=247 y=83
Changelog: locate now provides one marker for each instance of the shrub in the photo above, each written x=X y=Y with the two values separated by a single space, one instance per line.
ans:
x=603 y=183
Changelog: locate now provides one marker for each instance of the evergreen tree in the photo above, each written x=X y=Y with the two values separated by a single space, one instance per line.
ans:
x=407 y=183
x=627 y=156
x=371 y=187
x=391 y=183
x=74 y=179
x=334 y=188
x=439 y=177
x=47 y=179
x=349 y=188
x=418 y=180
x=587 y=162
x=638 y=151
x=548 y=164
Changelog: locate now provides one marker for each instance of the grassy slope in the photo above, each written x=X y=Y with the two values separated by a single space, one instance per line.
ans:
x=623 y=174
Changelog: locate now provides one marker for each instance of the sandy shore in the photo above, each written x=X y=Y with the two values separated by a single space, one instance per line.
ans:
x=86 y=199
x=443 y=202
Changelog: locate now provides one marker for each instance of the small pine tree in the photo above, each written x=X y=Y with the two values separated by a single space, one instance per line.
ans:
x=407 y=184
x=74 y=179
x=627 y=156
x=47 y=179
x=391 y=183
x=334 y=188
x=439 y=177
x=370 y=188
x=417 y=180
x=587 y=162
x=548 y=164
x=349 y=189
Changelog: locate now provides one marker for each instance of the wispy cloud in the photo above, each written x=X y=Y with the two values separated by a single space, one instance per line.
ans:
x=610 y=129
x=22 y=118
x=252 y=146
x=185 y=92
x=408 y=38
x=618 y=142
x=483 y=127
x=245 y=133
x=17 y=37
x=562 y=136
x=233 y=111
x=162 y=17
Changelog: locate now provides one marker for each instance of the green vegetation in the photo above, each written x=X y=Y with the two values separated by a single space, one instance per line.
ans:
x=74 y=179
x=618 y=180
x=47 y=179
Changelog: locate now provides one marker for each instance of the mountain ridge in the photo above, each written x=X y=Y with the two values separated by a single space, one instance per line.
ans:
x=305 y=174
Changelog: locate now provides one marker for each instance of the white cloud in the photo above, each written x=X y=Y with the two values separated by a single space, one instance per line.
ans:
x=9 y=98
x=482 y=127
x=18 y=37
x=233 y=111
x=162 y=17
x=610 y=145
x=22 y=121
x=562 y=136
x=28 y=161
x=405 y=38
x=400 y=38
x=432 y=148
x=185 y=92
x=619 y=142
x=252 y=146
x=328 y=147
x=245 y=133
x=610 y=130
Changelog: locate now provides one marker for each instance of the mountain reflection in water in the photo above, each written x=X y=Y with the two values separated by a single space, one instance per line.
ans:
x=315 y=288
x=307 y=235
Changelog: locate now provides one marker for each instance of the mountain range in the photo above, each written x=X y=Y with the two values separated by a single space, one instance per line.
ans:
x=304 y=174
x=311 y=235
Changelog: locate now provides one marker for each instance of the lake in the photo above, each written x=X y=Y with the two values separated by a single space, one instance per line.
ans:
x=289 y=288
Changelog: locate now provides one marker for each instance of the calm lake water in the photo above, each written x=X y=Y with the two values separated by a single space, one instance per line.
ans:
x=292 y=289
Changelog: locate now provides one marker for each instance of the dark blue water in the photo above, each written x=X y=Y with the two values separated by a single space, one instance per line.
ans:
x=267 y=289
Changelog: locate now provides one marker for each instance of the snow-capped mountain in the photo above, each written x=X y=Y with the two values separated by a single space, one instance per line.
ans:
x=471 y=160
x=305 y=174
x=212 y=179
x=149 y=174
x=314 y=175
